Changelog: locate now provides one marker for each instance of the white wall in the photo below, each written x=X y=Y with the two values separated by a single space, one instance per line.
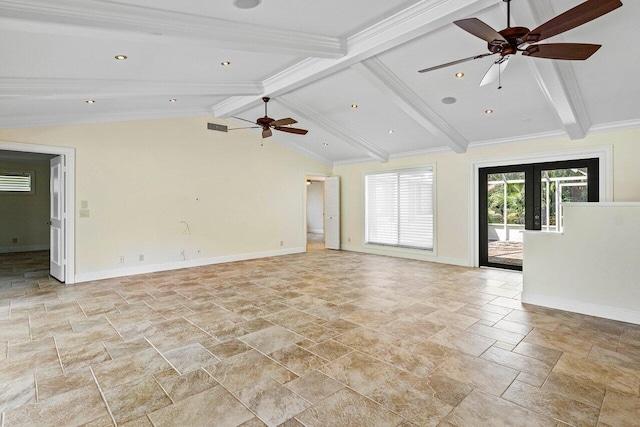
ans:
x=141 y=178
x=25 y=216
x=452 y=188
x=315 y=207
x=592 y=267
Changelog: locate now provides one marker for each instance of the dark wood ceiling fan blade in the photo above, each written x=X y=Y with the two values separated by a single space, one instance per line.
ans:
x=249 y=127
x=581 y=14
x=459 y=61
x=283 y=122
x=479 y=29
x=266 y=133
x=567 y=51
x=292 y=130
x=244 y=120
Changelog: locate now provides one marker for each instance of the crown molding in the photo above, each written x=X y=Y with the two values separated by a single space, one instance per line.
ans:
x=406 y=25
x=58 y=88
x=615 y=126
x=339 y=132
x=380 y=76
x=98 y=16
x=22 y=121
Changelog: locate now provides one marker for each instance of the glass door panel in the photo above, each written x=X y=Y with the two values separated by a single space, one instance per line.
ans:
x=506 y=217
x=559 y=186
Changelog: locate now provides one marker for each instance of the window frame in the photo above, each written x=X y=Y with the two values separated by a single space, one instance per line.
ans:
x=402 y=249
x=32 y=175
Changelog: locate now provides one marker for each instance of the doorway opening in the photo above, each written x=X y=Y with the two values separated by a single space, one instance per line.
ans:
x=514 y=198
x=38 y=238
x=315 y=213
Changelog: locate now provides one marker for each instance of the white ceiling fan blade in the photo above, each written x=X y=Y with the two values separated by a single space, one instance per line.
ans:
x=496 y=69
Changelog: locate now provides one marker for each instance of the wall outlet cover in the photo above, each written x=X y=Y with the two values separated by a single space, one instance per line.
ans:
x=84 y=213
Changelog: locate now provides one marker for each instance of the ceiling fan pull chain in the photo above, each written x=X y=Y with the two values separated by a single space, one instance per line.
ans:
x=500 y=76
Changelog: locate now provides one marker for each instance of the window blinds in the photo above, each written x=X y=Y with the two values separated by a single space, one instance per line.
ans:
x=15 y=182
x=399 y=208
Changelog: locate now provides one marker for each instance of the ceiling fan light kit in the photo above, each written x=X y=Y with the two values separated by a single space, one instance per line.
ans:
x=512 y=40
x=266 y=123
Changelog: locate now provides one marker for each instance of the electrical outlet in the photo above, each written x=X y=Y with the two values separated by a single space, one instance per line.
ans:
x=84 y=204
x=349 y=239
x=84 y=213
x=14 y=240
x=141 y=257
x=198 y=251
x=281 y=242
x=121 y=260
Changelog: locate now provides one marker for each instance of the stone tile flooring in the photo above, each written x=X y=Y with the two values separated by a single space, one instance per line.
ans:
x=318 y=339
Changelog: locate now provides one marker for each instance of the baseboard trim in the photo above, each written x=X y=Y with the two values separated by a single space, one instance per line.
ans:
x=613 y=313
x=407 y=255
x=315 y=231
x=154 y=268
x=12 y=249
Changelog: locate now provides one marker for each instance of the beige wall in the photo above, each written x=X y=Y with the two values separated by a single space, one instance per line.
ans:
x=25 y=216
x=141 y=178
x=452 y=187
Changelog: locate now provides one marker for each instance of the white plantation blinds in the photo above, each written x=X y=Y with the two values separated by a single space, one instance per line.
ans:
x=399 y=208
x=18 y=182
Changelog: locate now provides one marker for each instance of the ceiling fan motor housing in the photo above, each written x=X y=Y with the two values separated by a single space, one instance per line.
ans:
x=514 y=37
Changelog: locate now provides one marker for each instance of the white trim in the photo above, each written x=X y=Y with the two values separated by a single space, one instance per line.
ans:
x=16 y=249
x=589 y=309
x=69 y=158
x=521 y=138
x=603 y=153
x=614 y=126
x=415 y=254
x=315 y=231
x=37 y=120
x=177 y=265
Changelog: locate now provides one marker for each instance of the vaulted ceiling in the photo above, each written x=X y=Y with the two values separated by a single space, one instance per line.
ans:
x=315 y=59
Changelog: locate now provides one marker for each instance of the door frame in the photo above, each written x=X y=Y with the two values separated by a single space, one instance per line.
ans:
x=307 y=176
x=603 y=153
x=68 y=160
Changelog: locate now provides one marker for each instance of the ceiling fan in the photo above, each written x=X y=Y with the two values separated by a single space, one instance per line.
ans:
x=511 y=40
x=266 y=123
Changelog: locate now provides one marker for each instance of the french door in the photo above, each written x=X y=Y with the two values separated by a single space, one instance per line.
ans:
x=522 y=197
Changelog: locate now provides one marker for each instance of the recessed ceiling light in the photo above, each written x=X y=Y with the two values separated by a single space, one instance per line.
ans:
x=121 y=57
x=390 y=131
x=459 y=75
x=172 y=100
x=246 y=4
x=488 y=111
x=225 y=63
x=449 y=100
x=354 y=106
x=326 y=144
x=90 y=101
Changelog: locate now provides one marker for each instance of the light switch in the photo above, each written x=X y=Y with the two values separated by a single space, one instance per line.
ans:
x=84 y=204
x=84 y=213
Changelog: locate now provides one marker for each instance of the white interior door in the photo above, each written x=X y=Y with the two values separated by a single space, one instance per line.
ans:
x=57 y=257
x=332 y=213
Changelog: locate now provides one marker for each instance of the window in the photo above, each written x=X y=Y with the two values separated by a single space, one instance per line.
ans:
x=16 y=182
x=399 y=208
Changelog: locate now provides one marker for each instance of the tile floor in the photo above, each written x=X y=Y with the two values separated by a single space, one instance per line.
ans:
x=318 y=339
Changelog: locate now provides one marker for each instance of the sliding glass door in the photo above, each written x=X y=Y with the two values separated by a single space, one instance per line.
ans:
x=515 y=198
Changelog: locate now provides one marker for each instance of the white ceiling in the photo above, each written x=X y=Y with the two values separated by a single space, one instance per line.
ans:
x=314 y=59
